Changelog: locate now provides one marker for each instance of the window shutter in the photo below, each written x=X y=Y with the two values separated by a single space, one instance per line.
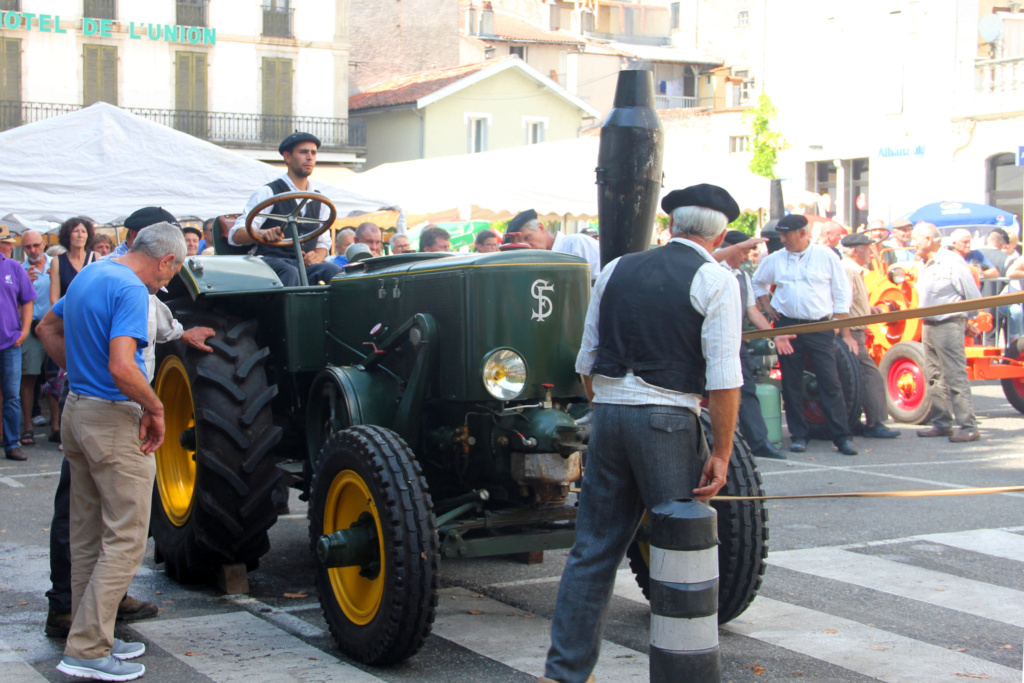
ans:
x=183 y=82
x=284 y=89
x=91 y=75
x=10 y=69
x=108 y=74
x=269 y=85
x=199 y=92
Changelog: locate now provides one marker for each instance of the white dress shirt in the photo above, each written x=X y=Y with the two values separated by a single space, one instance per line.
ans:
x=809 y=285
x=162 y=328
x=582 y=246
x=264 y=193
x=715 y=294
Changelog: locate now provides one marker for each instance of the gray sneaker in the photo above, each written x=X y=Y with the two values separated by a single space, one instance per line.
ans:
x=123 y=650
x=107 y=668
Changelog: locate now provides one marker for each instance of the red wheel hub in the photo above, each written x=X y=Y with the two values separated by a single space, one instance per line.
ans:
x=906 y=384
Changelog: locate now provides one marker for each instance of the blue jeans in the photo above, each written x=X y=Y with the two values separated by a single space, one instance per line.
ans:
x=1014 y=320
x=10 y=388
x=639 y=457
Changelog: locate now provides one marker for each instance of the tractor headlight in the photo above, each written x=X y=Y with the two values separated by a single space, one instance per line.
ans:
x=504 y=374
x=897 y=276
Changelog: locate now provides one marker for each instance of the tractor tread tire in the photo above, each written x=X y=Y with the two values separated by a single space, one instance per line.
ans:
x=412 y=551
x=232 y=509
x=742 y=535
x=852 y=382
x=1012 y=387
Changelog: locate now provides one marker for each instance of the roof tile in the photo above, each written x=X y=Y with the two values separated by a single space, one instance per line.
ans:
x=411 y=87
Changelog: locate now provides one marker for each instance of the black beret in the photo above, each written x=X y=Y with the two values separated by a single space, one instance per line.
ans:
x=707 y=196
x=856 y=239
x=194 y=231
x=793 y=221
x=147 y=216
x=1002 y=233
x=735 y=237
x=294 y=139
x=517 y=223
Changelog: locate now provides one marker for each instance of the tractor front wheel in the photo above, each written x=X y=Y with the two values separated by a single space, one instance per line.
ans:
x=907 y=393
x=380 y=602
x=1013 y=387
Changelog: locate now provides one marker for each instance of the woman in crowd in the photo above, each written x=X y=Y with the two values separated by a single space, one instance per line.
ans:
x=75 y=234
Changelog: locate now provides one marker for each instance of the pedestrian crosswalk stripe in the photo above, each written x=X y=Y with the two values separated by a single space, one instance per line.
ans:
x=13 y=669
x=864 y=649
x=241 y=647
x=907 y=581
x=520 y=640
x=993 y=542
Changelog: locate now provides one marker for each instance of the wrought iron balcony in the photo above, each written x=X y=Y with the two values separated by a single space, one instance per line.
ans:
x=277 y=22
x=255 y=131
x=192 y=12
x=673 y=102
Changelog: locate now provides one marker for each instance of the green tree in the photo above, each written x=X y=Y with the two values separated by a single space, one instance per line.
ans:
x=764 y=142
x=746 y=223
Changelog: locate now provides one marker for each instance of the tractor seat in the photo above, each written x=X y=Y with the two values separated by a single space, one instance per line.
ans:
x=221 y=246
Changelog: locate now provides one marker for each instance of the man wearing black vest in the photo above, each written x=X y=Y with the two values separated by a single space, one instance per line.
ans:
x=299 y=152
x=663 y=326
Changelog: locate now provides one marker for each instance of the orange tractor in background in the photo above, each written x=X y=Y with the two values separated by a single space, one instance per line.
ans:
x=898 y=350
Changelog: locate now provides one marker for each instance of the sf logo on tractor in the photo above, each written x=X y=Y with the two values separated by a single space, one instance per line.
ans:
x=544 y=307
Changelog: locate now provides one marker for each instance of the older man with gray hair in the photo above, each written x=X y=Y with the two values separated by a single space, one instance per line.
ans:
x=113 y=422
x=537 y=236
x=663 y=326
x=945 y=278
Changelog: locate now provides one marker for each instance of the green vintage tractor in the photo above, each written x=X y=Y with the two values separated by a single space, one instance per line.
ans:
x=425 y=405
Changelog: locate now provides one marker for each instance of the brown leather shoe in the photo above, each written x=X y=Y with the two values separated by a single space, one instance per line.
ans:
x=935 y=431
x=965 y=435
x=131 y=609
x=57 y=625
x=16 y=454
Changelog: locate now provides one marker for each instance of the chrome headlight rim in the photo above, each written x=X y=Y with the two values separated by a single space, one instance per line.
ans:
x=507 y=359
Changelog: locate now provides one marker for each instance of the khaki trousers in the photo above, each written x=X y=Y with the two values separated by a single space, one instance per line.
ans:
x=945 y=366
x=111 y=494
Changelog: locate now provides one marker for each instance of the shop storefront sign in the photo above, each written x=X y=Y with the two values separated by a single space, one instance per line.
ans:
x=897 y=152
x=105 y=28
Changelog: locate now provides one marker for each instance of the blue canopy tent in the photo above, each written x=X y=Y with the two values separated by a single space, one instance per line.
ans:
x=979 y=218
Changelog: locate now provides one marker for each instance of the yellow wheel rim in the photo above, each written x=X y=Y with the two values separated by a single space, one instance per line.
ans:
x=358 y=597
x=175 y=464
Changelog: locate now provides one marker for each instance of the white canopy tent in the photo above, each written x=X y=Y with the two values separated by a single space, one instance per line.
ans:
x=105 y=163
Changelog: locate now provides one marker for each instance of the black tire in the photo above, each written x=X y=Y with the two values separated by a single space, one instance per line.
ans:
x=907 y=393
x=742 y=535
x=222 y=515
x=853 y=393
x=1013 y=387
x=397 y=606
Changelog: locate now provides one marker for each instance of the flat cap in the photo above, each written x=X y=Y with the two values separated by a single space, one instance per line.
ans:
x=193 y=230
x=735 y=237
x=517 y=223
x=1002 y=233
x=902 y=223
x=856 y=239
x=793 y=221
x=294 y=139
x=705 y=195
x=149 y=215
x=357 y=251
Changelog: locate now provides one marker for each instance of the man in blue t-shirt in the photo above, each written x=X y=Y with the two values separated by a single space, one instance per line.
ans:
x=113 y=422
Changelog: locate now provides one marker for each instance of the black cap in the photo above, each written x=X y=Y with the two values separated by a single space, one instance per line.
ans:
x=147 y=216
x=735 y=237
x=193 y=230
x=1002 y=233
x=517 y=223
x=793 y=221
x=707 y=196
x=856 y=239
x=294 y=139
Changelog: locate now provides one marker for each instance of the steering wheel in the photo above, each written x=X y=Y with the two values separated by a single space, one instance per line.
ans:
x=302 y=198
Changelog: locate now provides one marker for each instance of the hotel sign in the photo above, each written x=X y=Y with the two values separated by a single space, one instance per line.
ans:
x=104 y=28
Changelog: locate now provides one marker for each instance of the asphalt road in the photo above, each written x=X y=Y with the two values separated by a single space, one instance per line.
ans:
x=903 y=589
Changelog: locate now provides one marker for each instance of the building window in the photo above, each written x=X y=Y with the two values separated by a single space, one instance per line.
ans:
x=192 y=12
x=10 y=83
x=535 y=127
x=1003 y=188
x=190 y=78
x=738 y=143
x=518 y=50
x=476 y=131
x=277 y=99
x=100 y=9
x=100 y=74
x=10 y=5
x=277 y=19
x=743 y=18
x=822 y=177
x=674 y=8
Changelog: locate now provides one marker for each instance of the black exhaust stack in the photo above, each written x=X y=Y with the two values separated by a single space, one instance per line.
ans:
x=629 y=176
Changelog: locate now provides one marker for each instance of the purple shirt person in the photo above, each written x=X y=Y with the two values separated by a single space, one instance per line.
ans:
x=16 y=297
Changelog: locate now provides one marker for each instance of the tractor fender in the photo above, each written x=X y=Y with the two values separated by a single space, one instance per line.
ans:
x=345 y=396
x=211 y=276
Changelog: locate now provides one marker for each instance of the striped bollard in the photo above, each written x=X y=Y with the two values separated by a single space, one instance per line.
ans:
x=684 y=593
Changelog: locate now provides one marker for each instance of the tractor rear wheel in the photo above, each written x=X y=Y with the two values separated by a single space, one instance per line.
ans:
x=381 y=610
x=853 y=392
x=907 y=393
x=1013 y=387
x=212 y=499
x=742 y=535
